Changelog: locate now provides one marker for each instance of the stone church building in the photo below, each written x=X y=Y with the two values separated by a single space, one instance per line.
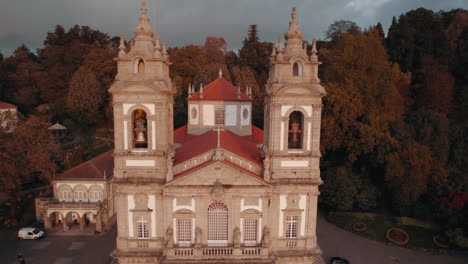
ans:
x=219 y=189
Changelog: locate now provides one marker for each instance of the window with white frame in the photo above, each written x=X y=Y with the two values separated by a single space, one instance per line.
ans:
x=96 y=193
x=291 y=226
x=217 y=224
x=80 y=193
x=184 y=231
x=142 y=227
x=250 y=231
x=65 y=195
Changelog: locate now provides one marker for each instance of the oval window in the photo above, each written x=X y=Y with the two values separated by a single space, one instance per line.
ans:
x=194 y=113
x=245 y=113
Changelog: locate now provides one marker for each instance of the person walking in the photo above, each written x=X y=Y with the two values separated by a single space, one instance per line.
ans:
x=21 y=259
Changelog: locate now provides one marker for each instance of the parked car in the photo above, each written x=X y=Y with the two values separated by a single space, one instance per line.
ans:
x=337 y=260
x=30 y=233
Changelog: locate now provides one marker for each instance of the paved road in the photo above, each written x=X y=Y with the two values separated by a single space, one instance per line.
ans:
x=335 y=241
x=58 y=249
x=95 y=249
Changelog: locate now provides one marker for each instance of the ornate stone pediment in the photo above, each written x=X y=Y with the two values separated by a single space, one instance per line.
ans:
x=224 y=172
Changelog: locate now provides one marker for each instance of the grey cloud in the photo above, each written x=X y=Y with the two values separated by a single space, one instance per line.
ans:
x=183 y=22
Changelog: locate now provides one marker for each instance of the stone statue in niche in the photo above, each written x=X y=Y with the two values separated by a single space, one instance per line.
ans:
x=236 y=235
x=169 y=237
x=141 y=201
x=266 y=237
x=198 y=237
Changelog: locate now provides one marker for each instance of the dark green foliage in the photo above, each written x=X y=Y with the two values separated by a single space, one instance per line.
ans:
x=255 y=54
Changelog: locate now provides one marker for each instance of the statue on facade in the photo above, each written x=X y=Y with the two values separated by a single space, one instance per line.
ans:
x=169 y=163
x=236 y=237
x=169 y=237
x=266 y=237
x=198 y=237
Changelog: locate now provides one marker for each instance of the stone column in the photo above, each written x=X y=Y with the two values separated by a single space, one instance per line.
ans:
x=311 y=224
x=81 y=219
x=64 y=224
x=99 y=223
x=57 y=216
x=47 y=222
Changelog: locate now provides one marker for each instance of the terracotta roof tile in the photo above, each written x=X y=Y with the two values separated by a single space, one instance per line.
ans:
x=92 y=169
x=193 y=146
x=220 y=90
x=4 y=105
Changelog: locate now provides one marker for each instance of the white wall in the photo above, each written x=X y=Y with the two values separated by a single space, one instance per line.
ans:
x=230 y=115
x=208 y=115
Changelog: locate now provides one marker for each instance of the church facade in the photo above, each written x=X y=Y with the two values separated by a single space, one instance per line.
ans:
x=218 y=190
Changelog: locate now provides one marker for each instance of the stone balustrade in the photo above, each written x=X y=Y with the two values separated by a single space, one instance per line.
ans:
x=216 y=252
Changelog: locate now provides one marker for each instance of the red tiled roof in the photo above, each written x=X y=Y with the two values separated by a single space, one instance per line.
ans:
x=193 y=146
x=4 y=105
x=220 y=90
x=92 y=169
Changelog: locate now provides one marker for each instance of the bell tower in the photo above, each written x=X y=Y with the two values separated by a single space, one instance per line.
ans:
x=142 y=96
x=293 y=109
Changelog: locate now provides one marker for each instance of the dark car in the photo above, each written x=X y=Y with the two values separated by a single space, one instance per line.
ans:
x=337 y=260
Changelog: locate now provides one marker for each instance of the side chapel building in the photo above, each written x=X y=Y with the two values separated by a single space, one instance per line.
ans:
x=219 y=189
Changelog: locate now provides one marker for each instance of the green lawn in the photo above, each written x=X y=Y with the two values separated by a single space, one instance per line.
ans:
x=420 y=232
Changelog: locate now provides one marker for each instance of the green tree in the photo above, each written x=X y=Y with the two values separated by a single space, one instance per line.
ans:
x=339 y=28
x=254 y=53
x=85 y=97
x=26 y=152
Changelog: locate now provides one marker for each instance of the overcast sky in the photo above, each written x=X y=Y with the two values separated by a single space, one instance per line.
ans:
x=183 y=22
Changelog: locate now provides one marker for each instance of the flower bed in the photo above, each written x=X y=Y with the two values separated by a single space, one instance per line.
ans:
x=441 y=241
x=397 y=236
x=359 y=226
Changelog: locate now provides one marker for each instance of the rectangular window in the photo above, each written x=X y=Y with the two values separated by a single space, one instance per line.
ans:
x=142 y=228
x=219 y=117
x=250 y=231
x=184 y=231
x=291 y=226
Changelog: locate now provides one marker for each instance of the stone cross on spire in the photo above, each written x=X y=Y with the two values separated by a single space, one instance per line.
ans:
x=143 y=28
x=294 y=31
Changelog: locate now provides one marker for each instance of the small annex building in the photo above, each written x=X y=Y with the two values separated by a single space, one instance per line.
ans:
x=81 y=196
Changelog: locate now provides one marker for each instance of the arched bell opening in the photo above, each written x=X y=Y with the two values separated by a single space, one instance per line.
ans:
x=296 y=130
x=140 y=129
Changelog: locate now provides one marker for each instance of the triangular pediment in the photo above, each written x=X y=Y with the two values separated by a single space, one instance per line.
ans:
x=226 y=173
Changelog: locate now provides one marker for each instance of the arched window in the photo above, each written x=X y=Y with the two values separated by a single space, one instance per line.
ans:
x=140 y=129
x=297 y=68
x=65 y=193
x=80 y=193
x=217 y=224
x=96 y=194
x=296 y=130
x=141 y=66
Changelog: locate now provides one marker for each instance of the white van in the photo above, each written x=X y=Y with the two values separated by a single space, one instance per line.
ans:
x=30 y=233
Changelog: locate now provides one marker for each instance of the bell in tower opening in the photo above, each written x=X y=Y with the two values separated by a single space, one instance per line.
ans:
x=140 y=131
x=295 y=130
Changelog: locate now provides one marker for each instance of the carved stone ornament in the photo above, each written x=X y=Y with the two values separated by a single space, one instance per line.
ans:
x=141 y=201
x=292 y=201
x=217 y=193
